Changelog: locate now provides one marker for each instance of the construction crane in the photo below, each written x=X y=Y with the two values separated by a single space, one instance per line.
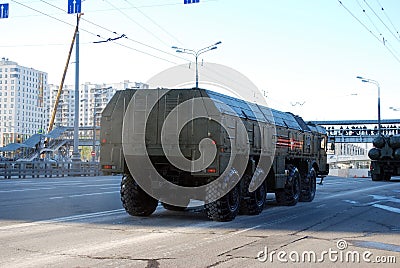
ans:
x=53 y=115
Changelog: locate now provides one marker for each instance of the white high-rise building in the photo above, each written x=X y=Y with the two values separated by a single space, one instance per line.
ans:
x=27 y=102
x=93 y=98
x=23 y=106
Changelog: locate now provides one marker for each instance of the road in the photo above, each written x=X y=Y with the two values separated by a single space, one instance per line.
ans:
x=79 y=222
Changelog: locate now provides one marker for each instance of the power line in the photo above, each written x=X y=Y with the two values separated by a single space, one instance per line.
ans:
x=369 y=18
x=158 y=25
x=138 y=42
x=384 y=40
x=381 y=20
x=97 y=25
x=130 y=39
x=381 y=41
x=138 y=24
x=38 y=11
x=394 y=27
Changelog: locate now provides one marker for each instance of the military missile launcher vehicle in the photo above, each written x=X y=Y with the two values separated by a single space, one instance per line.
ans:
x=385 y=157
x=163 y=139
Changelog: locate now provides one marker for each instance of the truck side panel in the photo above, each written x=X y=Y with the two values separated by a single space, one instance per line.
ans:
x=111 y=154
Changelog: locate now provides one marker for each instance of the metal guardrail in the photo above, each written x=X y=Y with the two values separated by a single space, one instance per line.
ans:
x=38 y=169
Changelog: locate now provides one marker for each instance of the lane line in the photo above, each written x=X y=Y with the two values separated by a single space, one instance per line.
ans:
x=80 y=195
x=356 y=191
x=57 y=187
x=64 y=219
x=388 y=208
x=28 y=189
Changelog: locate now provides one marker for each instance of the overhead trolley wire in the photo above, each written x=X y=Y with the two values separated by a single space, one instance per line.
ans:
x=41 y=12
x=117 y=43
x=138 y=24
x=154 y=22
x=384 y=40
x=369 y=18
x=381 y=20
x=384 y=12
x=379 y=40
x=131 y=48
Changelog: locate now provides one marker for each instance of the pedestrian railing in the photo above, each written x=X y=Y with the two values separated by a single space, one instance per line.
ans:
x=43 y=169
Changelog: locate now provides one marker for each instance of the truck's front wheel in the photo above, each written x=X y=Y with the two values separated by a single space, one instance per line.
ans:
x=134 y=199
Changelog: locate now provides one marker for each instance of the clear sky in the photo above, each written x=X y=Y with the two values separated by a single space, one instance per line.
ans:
x=305 y=54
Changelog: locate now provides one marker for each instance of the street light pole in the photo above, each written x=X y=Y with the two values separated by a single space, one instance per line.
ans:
x=196 y=54
x=366 y=80
x=75 y=154
x=94 y=135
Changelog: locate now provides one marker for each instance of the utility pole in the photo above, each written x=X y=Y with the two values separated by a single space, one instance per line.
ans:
x=94 y=135
x=75 y=154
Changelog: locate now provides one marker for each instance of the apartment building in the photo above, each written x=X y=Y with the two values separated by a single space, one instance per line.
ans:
x=92 y=100
x=27 y=102
x=23 y=107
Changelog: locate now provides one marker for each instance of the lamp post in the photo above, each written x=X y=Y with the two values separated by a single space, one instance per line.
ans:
x=93 y=153
x=366 y=80
x=76 y=156
x=196 y=54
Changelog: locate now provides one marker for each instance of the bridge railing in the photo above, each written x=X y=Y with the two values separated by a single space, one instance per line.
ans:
x=362 y=131
x=37 y=169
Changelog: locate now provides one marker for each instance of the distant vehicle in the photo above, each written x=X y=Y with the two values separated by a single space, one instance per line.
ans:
x=299 y=152
x=385 y=157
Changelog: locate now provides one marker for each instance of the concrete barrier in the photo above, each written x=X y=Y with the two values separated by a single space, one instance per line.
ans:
x=350 y=173
x=37 y=169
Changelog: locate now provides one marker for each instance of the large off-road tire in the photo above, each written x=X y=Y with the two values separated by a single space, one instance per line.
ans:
x=309 y=186
x=226 y=208
x=252 y=203
x=134 y=199
x=290 y=195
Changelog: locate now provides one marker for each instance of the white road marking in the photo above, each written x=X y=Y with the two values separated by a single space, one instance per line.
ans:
x=350 y=201
x=385 y=198
x=388 y=208
x=246 y=230
x=64 y=219
x=374 y=188
x=27 y=189
x=110 y=188
x=80 y=195
x=55 y=187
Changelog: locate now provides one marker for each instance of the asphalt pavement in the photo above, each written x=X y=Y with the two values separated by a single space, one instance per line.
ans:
x=80 y=222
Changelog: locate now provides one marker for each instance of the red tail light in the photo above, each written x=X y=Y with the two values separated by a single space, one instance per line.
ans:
x=108 y=167
x=211 y=170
